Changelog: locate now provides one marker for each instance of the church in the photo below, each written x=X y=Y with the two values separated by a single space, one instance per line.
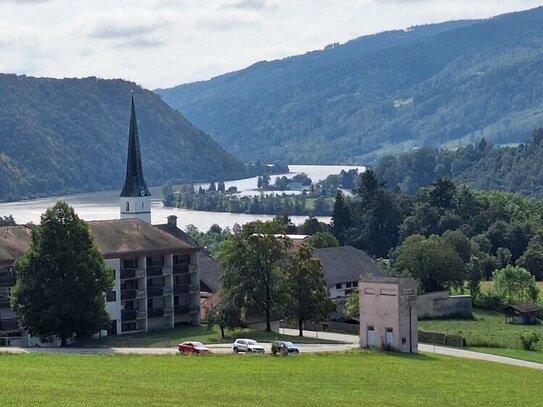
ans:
x=155 y=267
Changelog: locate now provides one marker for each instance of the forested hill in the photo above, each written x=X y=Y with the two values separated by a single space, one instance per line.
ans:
x=71 y=135
x=484 y=166
x=426 y=86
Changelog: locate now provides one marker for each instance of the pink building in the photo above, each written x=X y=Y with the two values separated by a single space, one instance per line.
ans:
x=388 y=314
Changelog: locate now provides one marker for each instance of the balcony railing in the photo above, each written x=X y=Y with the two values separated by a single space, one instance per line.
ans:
x=7 y=281
x=194 y=309
x=155 y=312
x=154 y=271
x=154 y=291
x=141 y=294
x=129 y=315
x=167 y=291
x=142 y=314
x=9 y=324
x=167 y=271
x=194 y=288
x=181 y=309
x=181 y=289
x=180 y=268
x=140 y=273
x=192 y=268
x=4 y=302
x=129 y=294
x=168 y=312
x=128 y=273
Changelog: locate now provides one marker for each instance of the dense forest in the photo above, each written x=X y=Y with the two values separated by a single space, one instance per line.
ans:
x=442 y=233
x=484 y=166
x=71 y=135
x=437 y=85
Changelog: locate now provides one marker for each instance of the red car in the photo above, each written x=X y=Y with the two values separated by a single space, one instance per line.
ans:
x=197 y=348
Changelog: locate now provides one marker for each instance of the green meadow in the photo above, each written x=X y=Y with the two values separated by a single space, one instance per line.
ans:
x=341 y=379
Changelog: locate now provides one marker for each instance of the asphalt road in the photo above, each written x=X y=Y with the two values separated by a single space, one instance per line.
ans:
x=350 y=342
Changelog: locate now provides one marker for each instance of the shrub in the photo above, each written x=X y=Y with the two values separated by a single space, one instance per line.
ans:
x=529 y=342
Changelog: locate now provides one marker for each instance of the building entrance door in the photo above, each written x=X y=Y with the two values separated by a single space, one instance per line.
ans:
x=370 y=337
x=389 y=337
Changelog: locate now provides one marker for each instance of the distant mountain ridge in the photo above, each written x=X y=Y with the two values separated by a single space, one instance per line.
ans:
x=436 y=85
x=71 y=135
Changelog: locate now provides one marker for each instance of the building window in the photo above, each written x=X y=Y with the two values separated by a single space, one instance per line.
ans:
x=127 y=206
x=113 y=274
x=142 y=204
x=130 y=326
x=111 y=296
x=338 y=286
x=150 y=303
x=176 y=300
x=348 y=285
x=130 y=263
x=128 y=306
x=355 y=283
x=181 y=259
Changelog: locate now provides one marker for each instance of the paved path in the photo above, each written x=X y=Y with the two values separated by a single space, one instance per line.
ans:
x=441 y=350
x=349 y=342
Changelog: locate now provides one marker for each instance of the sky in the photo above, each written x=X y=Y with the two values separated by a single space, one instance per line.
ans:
x=163 y=43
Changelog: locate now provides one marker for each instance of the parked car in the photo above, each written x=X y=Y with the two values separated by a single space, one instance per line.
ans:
x=285 y=346
x=197 y=348
x=248 y=346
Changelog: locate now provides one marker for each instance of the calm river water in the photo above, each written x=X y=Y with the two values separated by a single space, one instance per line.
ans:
x=105 y=204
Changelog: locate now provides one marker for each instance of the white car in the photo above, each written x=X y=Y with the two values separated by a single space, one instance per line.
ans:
x=247 y=346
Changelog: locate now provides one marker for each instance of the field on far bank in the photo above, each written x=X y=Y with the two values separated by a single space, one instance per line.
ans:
x=342 y=379
x=171 y=337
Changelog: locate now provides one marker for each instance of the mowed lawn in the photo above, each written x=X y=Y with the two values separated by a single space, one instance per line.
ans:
x=343 y=379
x=171 y=337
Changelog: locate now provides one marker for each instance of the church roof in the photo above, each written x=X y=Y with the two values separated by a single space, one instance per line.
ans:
x=134 y=184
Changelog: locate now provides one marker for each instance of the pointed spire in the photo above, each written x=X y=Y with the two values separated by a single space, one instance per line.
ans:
x=134 y=184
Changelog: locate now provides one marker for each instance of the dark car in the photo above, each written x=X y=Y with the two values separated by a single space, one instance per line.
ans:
x=285 y=346
x=188 y=348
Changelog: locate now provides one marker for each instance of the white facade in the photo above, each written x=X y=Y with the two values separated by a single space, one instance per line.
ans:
x=136 y=208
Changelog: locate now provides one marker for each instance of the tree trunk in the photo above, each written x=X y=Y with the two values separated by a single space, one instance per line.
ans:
x=222 y=331
x=268 y=301
x=300 y=327
x=63 y=342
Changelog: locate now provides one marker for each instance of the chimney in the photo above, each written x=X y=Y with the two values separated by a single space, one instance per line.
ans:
x=172 y=221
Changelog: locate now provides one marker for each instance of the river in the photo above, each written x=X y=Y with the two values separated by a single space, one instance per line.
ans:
x=105 y=204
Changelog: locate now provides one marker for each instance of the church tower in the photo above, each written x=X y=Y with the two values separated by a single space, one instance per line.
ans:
x=135 y=198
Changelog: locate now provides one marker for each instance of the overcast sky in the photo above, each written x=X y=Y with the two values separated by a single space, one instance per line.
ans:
x=162 y=43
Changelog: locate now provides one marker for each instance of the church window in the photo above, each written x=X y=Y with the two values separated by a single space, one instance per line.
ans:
x=128 y=206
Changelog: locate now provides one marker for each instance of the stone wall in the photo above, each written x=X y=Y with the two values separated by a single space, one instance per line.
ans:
x=436 y=338
x=439 y=304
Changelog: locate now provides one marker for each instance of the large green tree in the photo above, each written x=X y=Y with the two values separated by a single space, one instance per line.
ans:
x=306 y=292
x=253 y=263
x=432 y=261
x=61 y=280
x=514 y=284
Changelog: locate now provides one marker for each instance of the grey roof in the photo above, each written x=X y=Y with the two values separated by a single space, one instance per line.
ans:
x=14 y=241
x=178 y=233
x=524 y=308
x=134 y=184
x=210 y=272
x=345 y=263
x=129 y=237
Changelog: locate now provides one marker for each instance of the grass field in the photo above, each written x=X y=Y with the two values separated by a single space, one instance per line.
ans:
x=171 y=337
x=352 y=379
x=513 y=353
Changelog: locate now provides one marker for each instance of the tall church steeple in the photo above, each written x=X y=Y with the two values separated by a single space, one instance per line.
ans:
x=135 y=198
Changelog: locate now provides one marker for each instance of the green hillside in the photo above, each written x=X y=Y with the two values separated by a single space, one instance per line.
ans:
x=71 y=135
x=435 y=85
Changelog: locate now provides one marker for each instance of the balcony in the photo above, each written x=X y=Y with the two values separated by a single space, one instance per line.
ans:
x=129 y=294
x=129 y=315
x=181 y=289
x=140 y=273
x=192 y=268
x=194 y=288
x=154 y=271
x=155 y=312
x=167 y=271
x=181 y=309
x=167 y=291
x=4 y=302
x=141 y=294
x=7 y=281
x=9 y=324
x=128 y=274
x=181 y=268
x=142 y=315
x=154 y=291
x=168 y=312
x=194 y=309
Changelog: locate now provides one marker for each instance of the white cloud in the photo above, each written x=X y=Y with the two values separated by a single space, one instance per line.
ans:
x=162 y=43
